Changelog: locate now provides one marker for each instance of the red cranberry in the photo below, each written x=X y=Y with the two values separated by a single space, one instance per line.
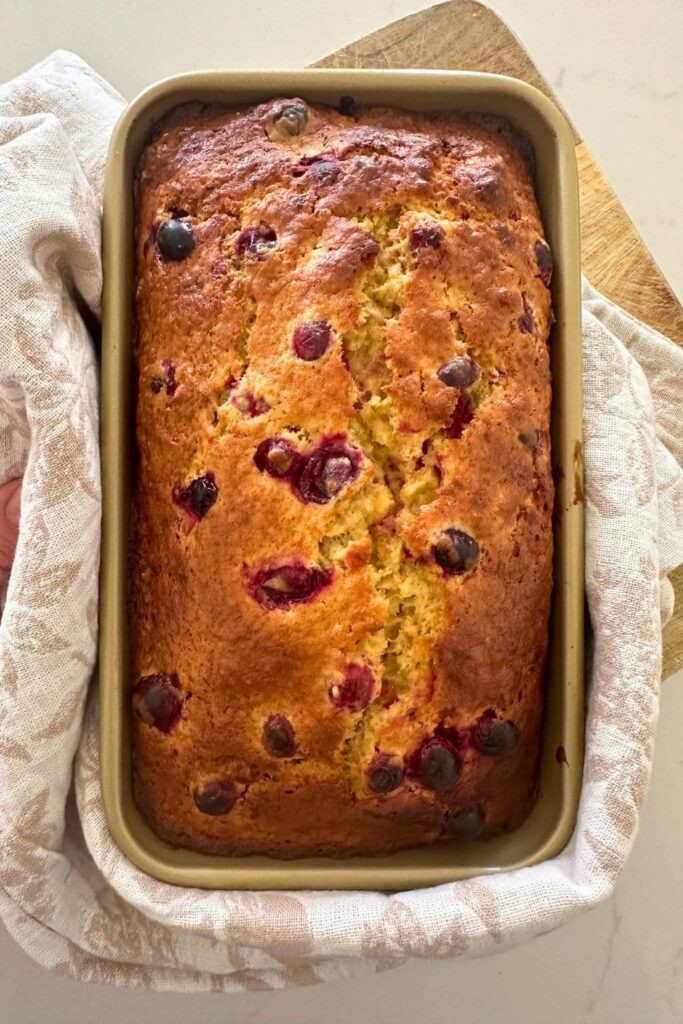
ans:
x=326 y=472
x=435 y=764
x=456 y=552
x=355 y=692
x=347 y=106
x=322 y=165
x=526 y=322
x=464 y=824
x=158 y=701
x=203 y=494
x=278 y=736
x=175 y=239
x=250 y=405
x=492 y=737
x=385 y=774
x=426 y=236
x=276 y=456
x=171 y=382
x=256 y=241
x=461 y=417
x=312 y=339
x=460 y=372
x=168 y=380
x=216 y=796
x=288 y=585
x=198 y=497
x=544 y=261
x=291 y=119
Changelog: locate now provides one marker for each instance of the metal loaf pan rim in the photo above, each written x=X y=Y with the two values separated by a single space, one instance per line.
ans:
x=550 y=825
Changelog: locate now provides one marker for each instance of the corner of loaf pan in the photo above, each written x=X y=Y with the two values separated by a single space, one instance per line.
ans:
x=550 y=824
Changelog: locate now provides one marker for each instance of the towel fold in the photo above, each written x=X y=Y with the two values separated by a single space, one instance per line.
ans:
x=68 y=895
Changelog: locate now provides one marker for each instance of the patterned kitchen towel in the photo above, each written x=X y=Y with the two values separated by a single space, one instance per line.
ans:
x=67 y=894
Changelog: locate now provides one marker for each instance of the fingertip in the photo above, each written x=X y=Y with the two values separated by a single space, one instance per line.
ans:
x=10 y=502
x=13 y=507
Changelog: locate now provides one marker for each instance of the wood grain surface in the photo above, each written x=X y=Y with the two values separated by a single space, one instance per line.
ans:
x=467 y=36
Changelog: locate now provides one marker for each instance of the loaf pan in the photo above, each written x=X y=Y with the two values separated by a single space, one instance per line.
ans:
x=549 y=827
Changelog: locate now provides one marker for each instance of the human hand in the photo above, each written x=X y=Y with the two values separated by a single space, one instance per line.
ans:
x=10 y=506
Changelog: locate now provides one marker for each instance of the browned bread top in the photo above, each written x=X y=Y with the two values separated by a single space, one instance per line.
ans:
x=342 y=560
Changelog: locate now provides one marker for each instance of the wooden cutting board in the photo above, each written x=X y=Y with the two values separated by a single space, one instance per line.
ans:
x=466 y=36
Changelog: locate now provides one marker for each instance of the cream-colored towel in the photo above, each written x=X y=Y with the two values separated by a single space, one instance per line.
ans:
x=67 y=894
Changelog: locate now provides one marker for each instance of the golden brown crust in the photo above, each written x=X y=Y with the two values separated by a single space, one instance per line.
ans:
x=415 y=239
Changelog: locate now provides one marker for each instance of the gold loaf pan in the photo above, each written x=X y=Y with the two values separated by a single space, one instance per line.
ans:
x=548 y=828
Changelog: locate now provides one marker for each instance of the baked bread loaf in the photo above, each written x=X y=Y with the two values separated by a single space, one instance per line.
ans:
x=342 y=546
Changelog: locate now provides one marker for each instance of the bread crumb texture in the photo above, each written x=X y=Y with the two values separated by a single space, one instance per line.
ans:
x=342 y=543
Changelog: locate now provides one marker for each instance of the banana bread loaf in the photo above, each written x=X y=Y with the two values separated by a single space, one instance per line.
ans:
x=342 y=541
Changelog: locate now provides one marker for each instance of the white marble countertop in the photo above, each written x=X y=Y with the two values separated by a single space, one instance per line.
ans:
x=617 y=67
